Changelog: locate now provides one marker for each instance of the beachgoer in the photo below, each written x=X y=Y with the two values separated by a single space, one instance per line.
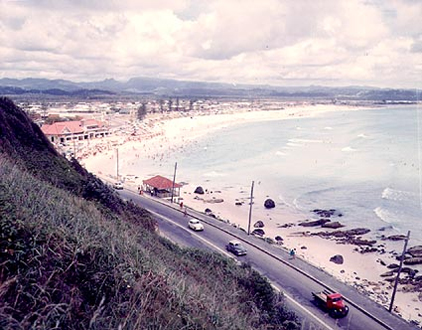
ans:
x=292 y=253
x=185 y=213
x=181 y=205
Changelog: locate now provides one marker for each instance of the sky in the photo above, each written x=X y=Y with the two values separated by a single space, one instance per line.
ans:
x=265 y=42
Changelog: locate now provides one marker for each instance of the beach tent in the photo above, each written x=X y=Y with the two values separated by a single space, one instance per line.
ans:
x=161 y=187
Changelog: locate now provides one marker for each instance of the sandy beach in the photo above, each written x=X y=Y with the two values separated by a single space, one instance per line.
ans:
x=159 y=135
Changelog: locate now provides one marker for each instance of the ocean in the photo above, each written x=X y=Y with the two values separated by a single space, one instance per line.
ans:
x=365 y=164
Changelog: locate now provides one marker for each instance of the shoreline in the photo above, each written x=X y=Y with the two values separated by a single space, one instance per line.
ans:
x=161 y=135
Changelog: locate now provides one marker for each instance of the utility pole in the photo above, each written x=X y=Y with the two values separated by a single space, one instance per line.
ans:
x=117 y=160
x=250 y=209
x=174 y=180
x=398 y=273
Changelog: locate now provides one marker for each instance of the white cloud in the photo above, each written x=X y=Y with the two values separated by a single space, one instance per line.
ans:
x=326 y=42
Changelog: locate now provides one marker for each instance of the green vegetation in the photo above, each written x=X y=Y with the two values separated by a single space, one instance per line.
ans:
x=73 y=255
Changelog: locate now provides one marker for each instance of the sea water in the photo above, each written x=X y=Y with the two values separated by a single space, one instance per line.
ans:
x=365 y=164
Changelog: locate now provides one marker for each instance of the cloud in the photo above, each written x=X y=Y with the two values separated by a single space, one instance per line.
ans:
x=332 y=42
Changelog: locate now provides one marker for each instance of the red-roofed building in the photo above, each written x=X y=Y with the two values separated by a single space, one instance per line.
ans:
x=64 y=131
x=161 y=187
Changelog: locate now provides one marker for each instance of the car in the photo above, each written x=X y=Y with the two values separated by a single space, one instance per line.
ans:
x=194 y=224
x=118 y=185
x=236 y=247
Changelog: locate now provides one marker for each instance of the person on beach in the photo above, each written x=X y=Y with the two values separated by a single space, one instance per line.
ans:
x=181 y=205
x=185 y=213
x=292 y=253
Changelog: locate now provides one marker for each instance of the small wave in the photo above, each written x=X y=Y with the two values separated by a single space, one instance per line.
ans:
x=328 y=128
x=213 y=174
x=383 y=214
x=348 y=149
x=305 y=141
x=396 y=195
x=364 y=136
x=280 y=153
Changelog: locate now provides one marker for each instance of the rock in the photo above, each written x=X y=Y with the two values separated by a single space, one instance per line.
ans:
x=393 y=266
x=314 y=223
x=413 y=261
x=238 y=203
x=207 y=211
x=415 y=251
x=286 y=225
x=269 y=204
x=259 y=224
x=387 y=274
x=395 y=238
x=258 y=232
x=303 y=248
x=279 y=239
x=360 y=241
x=337 y=259
x=199 y=190
x=334 y=225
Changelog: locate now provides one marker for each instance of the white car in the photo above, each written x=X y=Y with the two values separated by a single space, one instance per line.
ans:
x=194 y=224
x=118 y=185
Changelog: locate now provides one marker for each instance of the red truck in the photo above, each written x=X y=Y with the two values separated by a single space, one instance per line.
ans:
x=331 y=302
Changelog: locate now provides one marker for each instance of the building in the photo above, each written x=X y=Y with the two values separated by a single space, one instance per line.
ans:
x=66 y=131
x=161 y=187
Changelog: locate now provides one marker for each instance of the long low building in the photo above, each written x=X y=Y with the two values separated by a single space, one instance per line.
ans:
x=65 y=131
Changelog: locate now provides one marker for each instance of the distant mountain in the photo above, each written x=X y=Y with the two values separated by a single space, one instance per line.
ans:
x=170 y=87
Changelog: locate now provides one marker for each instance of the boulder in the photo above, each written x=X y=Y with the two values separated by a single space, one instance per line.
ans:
x=333 y=225
x=395 y=238
x=279 y=239
x=337 y=259
x=314 y=223
x=393 y=266
x=259 y=224
x=415 y=251
x=413 y=261
x=269 y=204
x=387 y=274
x=207 y=211
x=199 y=190
x=258 y=232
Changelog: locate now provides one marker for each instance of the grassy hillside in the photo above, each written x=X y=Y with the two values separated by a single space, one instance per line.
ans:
x=73 y=255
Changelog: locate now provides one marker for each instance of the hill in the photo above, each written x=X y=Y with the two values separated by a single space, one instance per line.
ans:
x=73 y=255
x=169 y=87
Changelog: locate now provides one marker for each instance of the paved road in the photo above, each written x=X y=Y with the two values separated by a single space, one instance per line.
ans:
x=295 y=278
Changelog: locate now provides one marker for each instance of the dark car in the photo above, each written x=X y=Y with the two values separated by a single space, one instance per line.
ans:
x=236 y=247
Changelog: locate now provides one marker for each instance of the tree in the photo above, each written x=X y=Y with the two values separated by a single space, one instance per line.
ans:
x=170 y=104
x=142 y=111
x=161 y=102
